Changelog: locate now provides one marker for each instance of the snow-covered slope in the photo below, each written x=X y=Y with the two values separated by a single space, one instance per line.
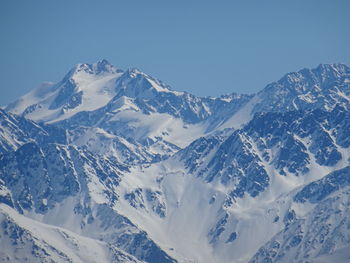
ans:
x=317 y=226
x=27 y=240
x=73 y=189
x=140 y=172
x=233 y=191
x=16 y=130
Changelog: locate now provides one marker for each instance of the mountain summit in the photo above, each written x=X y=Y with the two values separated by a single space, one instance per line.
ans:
x=99 y=68
x=85 y=87
x=322 y=87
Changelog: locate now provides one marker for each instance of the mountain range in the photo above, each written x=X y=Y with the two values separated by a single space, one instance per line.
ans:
x=110 y=165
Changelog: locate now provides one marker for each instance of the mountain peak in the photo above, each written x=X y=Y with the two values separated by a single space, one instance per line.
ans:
x=315 y=76
x=99 y=68
x=322 y=87
x=338 y=67
x=331 y=72
x=131 y=71
x=104 y=66
x=103 y=62
x=135 y=83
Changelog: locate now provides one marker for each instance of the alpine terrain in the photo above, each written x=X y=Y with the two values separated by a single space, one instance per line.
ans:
x=110 y=165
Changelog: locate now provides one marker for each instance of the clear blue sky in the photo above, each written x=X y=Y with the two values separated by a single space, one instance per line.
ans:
x=203 y=47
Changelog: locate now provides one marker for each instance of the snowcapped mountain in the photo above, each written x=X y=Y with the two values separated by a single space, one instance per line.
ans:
x=16 y=130
x=118 y=162
x=128 y=109
x=88 y=87
x=27 y=240
x=85 y=87
x=320 y=232
x=69 y=188
x=240 y=185
x=322 y=87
